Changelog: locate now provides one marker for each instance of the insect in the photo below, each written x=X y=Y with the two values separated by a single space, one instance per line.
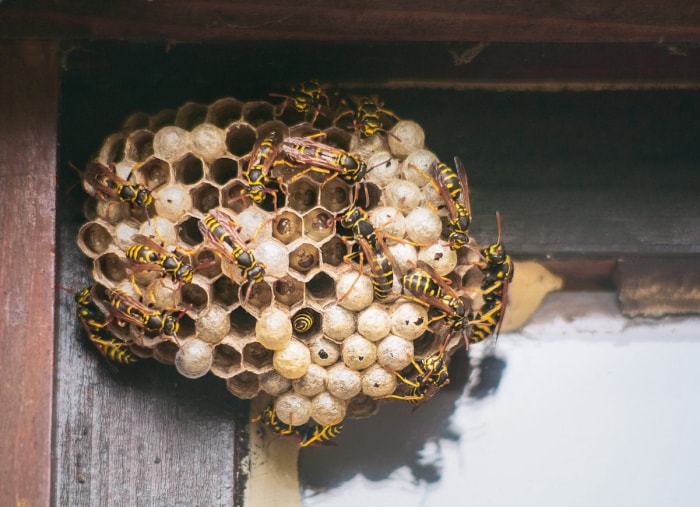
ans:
x=307 y=434
x=221 y=231
x=486 y=321
x=429 y=289
x=318 y=434
x=452 y=186
x=110 y=187
x=309 y=97
x=432 y=375
x=303 y=321
x=257 y=175
x=367 y=115
x=325 y=159
x=146 y=254
x=151 y=320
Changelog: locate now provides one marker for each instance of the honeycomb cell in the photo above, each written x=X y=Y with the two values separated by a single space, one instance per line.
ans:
x=189 y=170
x=394 y=352
x=224 y=112
x=161 y=230
x=165 y=292
x=242 y=322
x=205 y=197
x=326 y=409
x=259 y=296
x=338 y=323
x=378 y=382
x=321 y=286
x=274 y=384
x=223 y=170
x=274 y=329
x=213 y=324
x=374 y=323
x=338 y=138
x=289 y=291
x=171 y=143
x=172 y=202
x=354 y=291
x=333 y=251
x=409 y=320
x=94 y=239
x=362 y=406
x=358 y=353
x=323 y=351
x=139 y=146
x=111 y=267
x=234 y=196
x=335 y=196
x=404 y=255
x=165 y=353
x=304 y=258
x=293 y=360
x=406 y=137
x=207 y=263
x=226 y=360
x=136 y=121
x=123 y=234
x=440 y=257
x=293 y=408
x=190 y=115
x=112 y=151
x=319 y=224
x=208 y=141
x=306 y=323
x=188 y=231
x=254 y=225
x=110 y=212
x=245 y=385
x=194 y=358
x=367 y=147
x=161 y=119
x=390 y=222
x=403 y=195
x=303 y=195
x=343 y=382
x=224 y=291
x=240 y=138
x=423 y=226
x=256 y=357
x=382 y=168
x=286 y=227
x=312 y=382
x=416 y=168
x=257 y=113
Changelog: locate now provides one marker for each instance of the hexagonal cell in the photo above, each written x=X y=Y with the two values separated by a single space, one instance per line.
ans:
x=240 y=139
x=165 y=353
x=306 y=323
x=257 y=113
x=321 y=286
x=189 y=170
x=139 y=146
x=188 y=231
x=333 y=251
x=112 y=151
x=304 y=258
x=362 y=406
x=190 y=115
x=205 y=197
x=223 y=170
x=110 y=212
x=153 y=173
x=368 y=196
x=303 y=195
x=335 y=195
x=256 y=357
x=225 y=111
x=94 y=239
x=286 y=227
x=195 y=296
x=338 y=138
x=226 y=360
x=242 y=322
x=427 y=344
x=225 y=292
x=207 y=263
x=319 y=224
x=234 y=196
x=289 y=291
x=136 y=121
x=111 y=267
x=187 y=327
x=245 y=385
x=259 y=297
x=161 y=119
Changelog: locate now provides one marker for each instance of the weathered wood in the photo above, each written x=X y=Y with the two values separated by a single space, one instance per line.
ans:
x=28 y=111
x=505 y=20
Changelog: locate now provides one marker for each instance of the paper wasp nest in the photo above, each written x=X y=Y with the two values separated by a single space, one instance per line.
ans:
x=312 y=335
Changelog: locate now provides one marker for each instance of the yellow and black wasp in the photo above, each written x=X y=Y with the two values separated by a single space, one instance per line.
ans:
x=221 y=231
x=307 y=434
x=148 y=255
x=431 y=376
x=151 y=320
x=109 y=186
x=303 y=321
x=452 y=186
x=369 y=116
x=310 y=97
x=257 y=175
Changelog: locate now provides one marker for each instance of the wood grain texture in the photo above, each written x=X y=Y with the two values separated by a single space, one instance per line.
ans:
x=28 y=112
x=504 y=20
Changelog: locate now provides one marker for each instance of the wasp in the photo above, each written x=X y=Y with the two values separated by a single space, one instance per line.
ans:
x=309 y=97
x=432 y=375
x=452 y=186
x=307 y=434
x=257 y=175
x=146 y=254
x=325 y=159
x=110 y=187
x=221 y=231
x=430 y=289
x=486 y=321
x=367 y=115
x=303 y=321
x=319 y=434
x=151 y=320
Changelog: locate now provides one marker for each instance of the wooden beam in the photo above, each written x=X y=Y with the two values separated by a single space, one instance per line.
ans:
x=412 y=20
x=28 y=118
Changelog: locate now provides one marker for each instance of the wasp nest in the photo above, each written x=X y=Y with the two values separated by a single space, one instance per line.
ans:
x=311 y=332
